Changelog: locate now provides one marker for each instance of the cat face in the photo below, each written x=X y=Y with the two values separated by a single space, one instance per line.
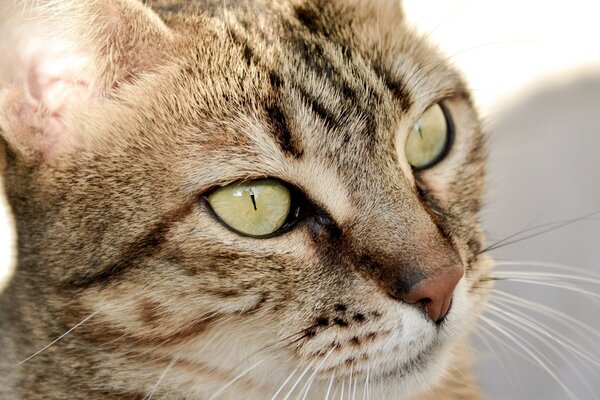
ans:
x=115 y=220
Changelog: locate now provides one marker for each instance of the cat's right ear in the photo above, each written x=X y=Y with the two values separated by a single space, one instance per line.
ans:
x=59 y=58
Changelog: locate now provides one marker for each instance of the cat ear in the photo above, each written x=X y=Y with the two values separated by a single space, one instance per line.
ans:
x=380 y=12
x=387 y=9
x=59 y=57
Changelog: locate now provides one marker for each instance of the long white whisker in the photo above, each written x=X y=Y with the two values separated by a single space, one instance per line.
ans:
x=342 y=390
x=505 y=344
x=539 y=359
x=299 y=379
x=285 y=383
x=335 y=389
x=57 y=339
x=481 y=336
x=354 y=389
x=539 y=334
x=547 y=275
x=541 y=264
x=160 y=378
x=231 y=382
x=556 y=285
x=592 y=336
x=544 y=330
x=368 y=386
x=312 y=376
x=350 y=383
x=329 y=386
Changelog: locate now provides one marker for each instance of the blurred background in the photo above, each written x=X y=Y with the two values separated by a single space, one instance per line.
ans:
x=534 y=68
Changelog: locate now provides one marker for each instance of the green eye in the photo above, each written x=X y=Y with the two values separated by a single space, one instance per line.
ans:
x=256 y=208
x=428 y=140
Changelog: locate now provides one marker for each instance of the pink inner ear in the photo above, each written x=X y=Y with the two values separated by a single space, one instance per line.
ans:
x=56 y=74
x=57 y=79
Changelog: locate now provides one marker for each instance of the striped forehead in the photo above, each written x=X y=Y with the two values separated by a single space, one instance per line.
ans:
x=328 y=93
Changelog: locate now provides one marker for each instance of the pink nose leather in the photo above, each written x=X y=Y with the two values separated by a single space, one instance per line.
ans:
x=435 y=292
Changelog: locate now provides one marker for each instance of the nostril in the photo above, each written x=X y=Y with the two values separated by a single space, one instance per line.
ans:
x=425 y=303
x=435 y=293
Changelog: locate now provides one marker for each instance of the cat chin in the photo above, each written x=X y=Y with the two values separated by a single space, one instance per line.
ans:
x=402 y=382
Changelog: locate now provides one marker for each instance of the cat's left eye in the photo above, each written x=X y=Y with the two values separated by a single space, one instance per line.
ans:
x=257 y=208
x=428 y=141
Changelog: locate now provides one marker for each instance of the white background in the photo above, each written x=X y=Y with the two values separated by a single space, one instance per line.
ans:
x=534 y=67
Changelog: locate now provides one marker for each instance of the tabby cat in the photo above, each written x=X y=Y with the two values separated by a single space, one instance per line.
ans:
x=254 y=199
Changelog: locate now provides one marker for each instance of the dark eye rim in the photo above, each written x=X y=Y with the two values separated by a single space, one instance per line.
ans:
x=299 y=208
x=450 y=136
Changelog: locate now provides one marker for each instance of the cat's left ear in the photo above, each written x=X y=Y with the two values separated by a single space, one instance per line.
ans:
x=386 y=11
x=58 y=58
x=380 y=12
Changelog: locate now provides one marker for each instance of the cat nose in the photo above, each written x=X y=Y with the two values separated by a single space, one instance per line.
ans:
x=435 y=292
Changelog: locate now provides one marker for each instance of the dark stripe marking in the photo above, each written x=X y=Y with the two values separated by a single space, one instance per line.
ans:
x=314 y=58
x=329 y=118
x=140 y=249
x=248 y=54
x=281 y=130
x=310 y=17
x=397 y=88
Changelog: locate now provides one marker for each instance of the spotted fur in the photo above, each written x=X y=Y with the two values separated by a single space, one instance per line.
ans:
x=181 y=97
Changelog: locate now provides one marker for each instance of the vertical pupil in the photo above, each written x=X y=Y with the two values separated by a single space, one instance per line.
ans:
x=251 y=192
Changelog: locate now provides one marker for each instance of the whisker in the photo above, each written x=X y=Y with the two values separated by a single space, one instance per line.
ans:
x=553 y=226
x=312 y=376
x=504 y=343
x=329 y=386
x=543 y=330
x=335 y=390
x=538 y=332
x=548 y=276
x=303 y=334
x=57 y=339
x=531 y=351
x=542 y=264
x=584 y=292
x=350 y=383
x=299 y=379
x=593 y=335
x=231 y=382
x=484 y=340
x=367 y=384
x=354 y=389
x=285 y=383
x=160 y=378
x=510 y=347
x=342 y=390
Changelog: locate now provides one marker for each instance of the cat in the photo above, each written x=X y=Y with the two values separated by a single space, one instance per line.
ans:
x=237 y=200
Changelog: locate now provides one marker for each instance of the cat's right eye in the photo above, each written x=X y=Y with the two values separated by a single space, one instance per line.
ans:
x=257 y=208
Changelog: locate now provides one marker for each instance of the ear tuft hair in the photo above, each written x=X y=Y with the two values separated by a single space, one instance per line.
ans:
x=381 y=12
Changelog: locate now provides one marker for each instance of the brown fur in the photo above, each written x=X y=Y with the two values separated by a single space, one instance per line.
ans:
x=112 y=226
